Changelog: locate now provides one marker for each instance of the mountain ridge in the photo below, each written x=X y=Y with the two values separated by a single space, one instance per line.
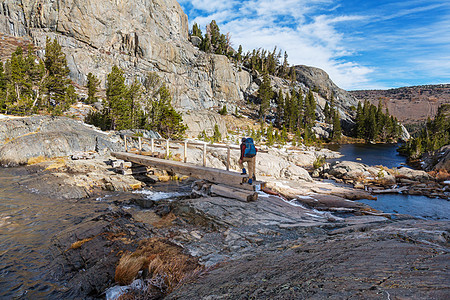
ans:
x=412 y=104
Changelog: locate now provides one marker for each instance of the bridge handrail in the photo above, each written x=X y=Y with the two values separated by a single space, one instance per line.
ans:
x=185 y=143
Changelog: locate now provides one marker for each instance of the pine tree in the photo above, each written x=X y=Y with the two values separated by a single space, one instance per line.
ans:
x=239 y=54
x=3 y=86
x=280 y=108
x=310 y=110
x=133 y=100
x=92 y=85
x=196 y=31
x=337 y=130
x=360 y=128
x=171 y=125
x=56 y=81
x=327 y=113
x=217 y=136
x=265 y=93
x=116 y=104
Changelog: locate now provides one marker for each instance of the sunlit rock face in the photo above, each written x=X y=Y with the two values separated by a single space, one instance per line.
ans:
x=143 y=36
x=140 y=36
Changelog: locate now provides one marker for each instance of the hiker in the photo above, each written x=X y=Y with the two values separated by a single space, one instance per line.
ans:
x=248 y=154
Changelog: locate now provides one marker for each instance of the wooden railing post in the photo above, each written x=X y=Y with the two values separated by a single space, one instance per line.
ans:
x=185 y=151
x=153 y=145
x=228 y=157
x=167 y=149
x=204 y=154
x=140 y=144
x=126 y=146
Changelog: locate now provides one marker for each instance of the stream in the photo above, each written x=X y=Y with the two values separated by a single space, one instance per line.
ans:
x=28 y=222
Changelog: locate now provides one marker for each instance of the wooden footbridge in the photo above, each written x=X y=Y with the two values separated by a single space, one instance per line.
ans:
x=220 y=177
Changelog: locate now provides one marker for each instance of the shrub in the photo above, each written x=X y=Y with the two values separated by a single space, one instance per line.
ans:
x=319 y=162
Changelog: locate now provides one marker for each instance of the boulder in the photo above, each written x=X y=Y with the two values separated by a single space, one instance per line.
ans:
x=415 y=175
x=197 y=121
x=350 y=170
x=195 y=40
x=50 y=137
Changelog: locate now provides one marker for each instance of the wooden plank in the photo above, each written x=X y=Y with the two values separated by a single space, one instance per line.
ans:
x=167 y=148
x=210 y=174
x=204 y=154
x=228 y=157
x=234 y=193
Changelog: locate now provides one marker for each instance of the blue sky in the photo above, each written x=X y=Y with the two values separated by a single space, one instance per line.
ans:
x=372 y=44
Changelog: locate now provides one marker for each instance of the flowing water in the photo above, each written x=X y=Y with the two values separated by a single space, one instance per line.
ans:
x=28 y=222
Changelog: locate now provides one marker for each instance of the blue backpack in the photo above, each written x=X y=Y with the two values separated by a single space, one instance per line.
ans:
x=250 y=150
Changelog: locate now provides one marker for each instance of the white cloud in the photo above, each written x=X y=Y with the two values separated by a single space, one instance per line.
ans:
x=312 y=33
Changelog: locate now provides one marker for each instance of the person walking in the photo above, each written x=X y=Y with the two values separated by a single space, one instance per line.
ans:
x=248 y=155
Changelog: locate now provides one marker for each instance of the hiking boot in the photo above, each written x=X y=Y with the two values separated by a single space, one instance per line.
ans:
x=254 y=177
x=250 y=181
x=244 y=171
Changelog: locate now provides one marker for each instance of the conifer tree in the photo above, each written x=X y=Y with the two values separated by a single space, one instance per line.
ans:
x=310 y=110
x=56 y=81
x=170 y=123
x=239 y=54
x=2 y=88
x=280 y=108
x=92 y=85
x=196 y=31
x=116 y=104
x=337 y=130
x=265 y=93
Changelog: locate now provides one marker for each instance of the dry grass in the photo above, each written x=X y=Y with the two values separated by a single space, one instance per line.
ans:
x=165 y=221
x=80 y=243
x=57 y=164
x=165 y=263
x=440 y=175
x=128 y=268
x=37 y=160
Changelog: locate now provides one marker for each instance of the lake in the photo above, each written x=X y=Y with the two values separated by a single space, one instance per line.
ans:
x=387 y=155
x=370 y=154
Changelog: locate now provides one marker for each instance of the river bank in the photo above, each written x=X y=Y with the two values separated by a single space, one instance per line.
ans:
x=232 y=249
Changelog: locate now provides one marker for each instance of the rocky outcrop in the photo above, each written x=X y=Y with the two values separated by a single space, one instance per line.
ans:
x=437 y=160
x=26 y=138
x=368 y=261
x=199 y=121
x=380 y=180
x=317 y=79
x=152 y=36
x=138 y=36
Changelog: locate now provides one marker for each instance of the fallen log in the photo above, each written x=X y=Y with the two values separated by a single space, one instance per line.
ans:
x=395 y=190
x=234 y=193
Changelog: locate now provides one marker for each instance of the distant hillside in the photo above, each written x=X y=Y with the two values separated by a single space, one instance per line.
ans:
x=409 y=104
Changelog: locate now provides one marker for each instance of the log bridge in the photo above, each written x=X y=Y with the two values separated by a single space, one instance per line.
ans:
x=228 y=183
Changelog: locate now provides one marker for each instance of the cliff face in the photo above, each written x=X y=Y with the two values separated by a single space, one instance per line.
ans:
x=319 y=80
x=142 y=36
x=139 y=36
x=409 y=104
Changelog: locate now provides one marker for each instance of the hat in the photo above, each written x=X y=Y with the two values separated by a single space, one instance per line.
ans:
x=243 y=139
